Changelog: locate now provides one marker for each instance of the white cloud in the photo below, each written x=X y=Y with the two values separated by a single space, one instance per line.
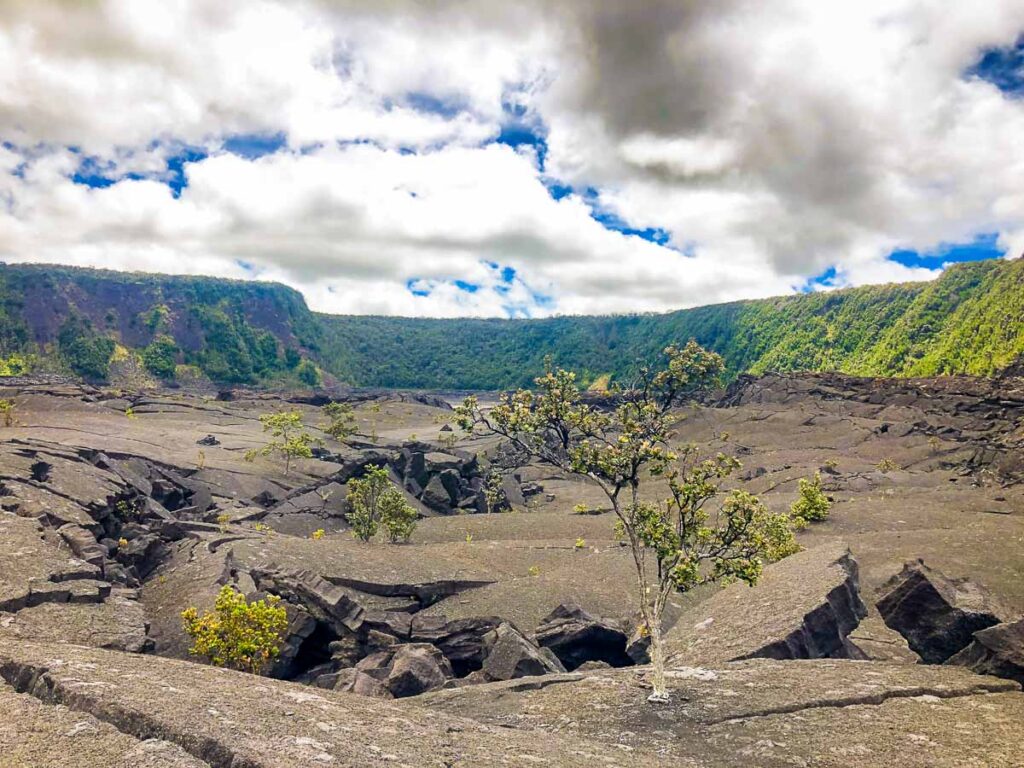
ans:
x=769 y=145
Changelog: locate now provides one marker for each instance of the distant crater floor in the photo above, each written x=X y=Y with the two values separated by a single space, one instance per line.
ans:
x=119 y=510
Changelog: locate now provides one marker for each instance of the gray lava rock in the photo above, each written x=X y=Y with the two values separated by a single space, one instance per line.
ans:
x=576 y=637
x=438 y=495
x=396 y=672
x=417 y=668
x=83 y=544
x=511 y=655
x=998 y=651
x=937 y=615
x=803 y=607
x=325 y=602
x=462 y=641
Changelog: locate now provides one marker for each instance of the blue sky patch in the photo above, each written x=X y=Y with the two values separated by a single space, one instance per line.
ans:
x=177 y=180
x=826 y=279
x=982 y=247
x=434 y=105
x=417 y=287
x=1003 y=67
x=254 y=145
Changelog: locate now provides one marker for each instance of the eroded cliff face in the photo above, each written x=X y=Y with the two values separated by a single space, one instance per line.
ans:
x=968 y=321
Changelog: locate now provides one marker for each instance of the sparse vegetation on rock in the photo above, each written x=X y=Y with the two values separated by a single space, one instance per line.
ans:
x=377 y=502
x=341 y=424
x=290 y=438
x=812 y=505
x=7 y=412
x=676 y=544
x=887 y=465
x=237 y=633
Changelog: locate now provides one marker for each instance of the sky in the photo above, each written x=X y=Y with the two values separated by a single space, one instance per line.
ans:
x=483 y=158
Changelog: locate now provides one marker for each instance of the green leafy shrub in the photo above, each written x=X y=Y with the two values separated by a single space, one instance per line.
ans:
x=161 y=357
x=887 y=465
x=236 y=633
x=812 y=504
x=341 y=423
x=375 y=501
x=290 y=439
x=15 y=365
x=308 y=374
x=87 y=354
x=7 y=412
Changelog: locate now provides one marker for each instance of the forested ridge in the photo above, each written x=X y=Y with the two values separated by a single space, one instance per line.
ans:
x=970 y=320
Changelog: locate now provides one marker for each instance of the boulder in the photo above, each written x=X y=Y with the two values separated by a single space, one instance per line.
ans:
x=83 y=544
x=417 y=668
x=802 y=608
x=512 y=491
x=437 y=496
x=997 y=651
x=873 y=641
x=511 y=655
x=462 y=641
x=397 y=672
x=437 y=461
x=576 y=637
x=938 y=616
x=327 y=603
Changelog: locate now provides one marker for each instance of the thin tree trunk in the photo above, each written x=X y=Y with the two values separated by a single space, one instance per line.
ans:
x=660 y=692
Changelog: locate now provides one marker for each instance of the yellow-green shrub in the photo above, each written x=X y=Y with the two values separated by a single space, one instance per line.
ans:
x=236 y=633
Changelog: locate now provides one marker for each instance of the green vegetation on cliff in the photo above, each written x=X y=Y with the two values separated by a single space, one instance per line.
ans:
x=970 y=320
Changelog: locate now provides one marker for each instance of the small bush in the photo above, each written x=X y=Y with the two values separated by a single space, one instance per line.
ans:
x=309 y=374
x=885 y=466
x=318 y=534
x=161 y=357
x=236 y=633
x=812 y=504
x=15 y=365
x=375 y=501
x=290 y=438
x=7 y=412
x=341 y=423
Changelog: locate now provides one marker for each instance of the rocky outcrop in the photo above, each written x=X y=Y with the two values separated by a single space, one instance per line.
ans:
x=873 y=641
x=325 y=602
x=938 y=616
x=576 y=637
x=399 y=672
x=761 y=712
x=224 y=718
x=802 y=608
x=997 y=651
x=444 y=481
x=509 y=654
x=985 y=414
x=462 y=641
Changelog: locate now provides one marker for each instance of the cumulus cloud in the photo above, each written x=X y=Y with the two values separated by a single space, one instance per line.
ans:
x=476 y=158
